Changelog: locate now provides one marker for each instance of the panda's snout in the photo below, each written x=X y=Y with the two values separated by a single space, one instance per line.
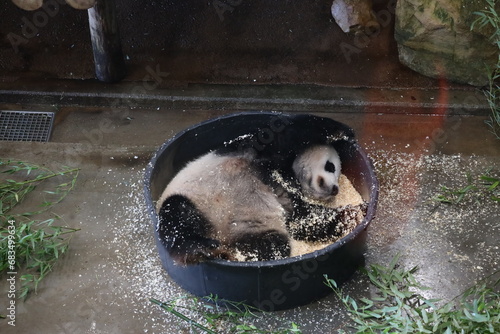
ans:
x=335 y=191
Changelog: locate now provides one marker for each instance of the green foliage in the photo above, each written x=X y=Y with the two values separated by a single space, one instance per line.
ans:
x=218 y=313
x=29 y=246
x=478 y=187
x=490 y=18
x=493 y=184
x=397 y=307
x=493 y=96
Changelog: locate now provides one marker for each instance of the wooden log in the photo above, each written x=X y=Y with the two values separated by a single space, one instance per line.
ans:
x=106 y=44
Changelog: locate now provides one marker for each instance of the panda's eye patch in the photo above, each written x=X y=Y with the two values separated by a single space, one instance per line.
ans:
x=321 y=182
x=330 y=167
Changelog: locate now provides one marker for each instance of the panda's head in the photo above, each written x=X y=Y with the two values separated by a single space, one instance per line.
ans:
x=318 y=170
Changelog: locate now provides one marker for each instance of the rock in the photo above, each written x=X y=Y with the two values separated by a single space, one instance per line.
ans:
x=354 y=15
x=28 y=4
x=81 y=4
x=36 y=4
x=434 y=38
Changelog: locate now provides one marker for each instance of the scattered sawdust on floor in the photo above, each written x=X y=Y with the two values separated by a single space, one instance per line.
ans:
x=406 y=216
x=453 y=245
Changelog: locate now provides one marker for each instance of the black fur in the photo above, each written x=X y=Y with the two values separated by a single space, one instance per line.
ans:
x=330 y=167
x=183 y=230
x=264 y=246
x=286 y=137
x=329 y=225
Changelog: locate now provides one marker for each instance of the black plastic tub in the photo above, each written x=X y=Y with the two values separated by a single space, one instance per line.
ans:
x=268 y=285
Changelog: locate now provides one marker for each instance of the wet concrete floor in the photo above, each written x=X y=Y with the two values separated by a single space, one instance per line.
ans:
x=421 y=134
x=104 y=282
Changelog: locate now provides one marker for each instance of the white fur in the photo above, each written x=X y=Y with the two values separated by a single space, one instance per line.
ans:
x=229 y=193
x=309 y=168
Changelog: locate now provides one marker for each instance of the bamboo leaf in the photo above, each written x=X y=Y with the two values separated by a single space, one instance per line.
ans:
x=39 y=244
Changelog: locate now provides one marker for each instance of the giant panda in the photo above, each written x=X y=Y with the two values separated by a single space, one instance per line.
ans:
x=226 y=201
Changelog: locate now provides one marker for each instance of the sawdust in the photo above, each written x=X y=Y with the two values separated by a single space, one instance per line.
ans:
x=348 y=195
x=444 y=241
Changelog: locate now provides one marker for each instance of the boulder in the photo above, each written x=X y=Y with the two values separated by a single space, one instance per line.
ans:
x=28 y=4
x=435 y=39
x=354 y=15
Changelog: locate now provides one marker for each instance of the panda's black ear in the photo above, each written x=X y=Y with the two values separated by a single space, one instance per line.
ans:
x=330 y=167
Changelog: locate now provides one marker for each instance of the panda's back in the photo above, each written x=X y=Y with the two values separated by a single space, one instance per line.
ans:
x=228 y=191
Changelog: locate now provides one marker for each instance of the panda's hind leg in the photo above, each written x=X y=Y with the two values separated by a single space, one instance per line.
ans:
x=184 y=232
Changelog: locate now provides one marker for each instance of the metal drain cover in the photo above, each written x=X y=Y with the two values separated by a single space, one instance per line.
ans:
x=26 y=125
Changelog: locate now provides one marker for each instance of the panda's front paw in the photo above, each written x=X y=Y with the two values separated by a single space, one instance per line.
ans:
x=265 y=246
x=203 y=250
x=222 y=253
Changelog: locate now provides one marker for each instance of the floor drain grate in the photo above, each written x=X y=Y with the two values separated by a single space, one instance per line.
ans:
x=26 y=125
